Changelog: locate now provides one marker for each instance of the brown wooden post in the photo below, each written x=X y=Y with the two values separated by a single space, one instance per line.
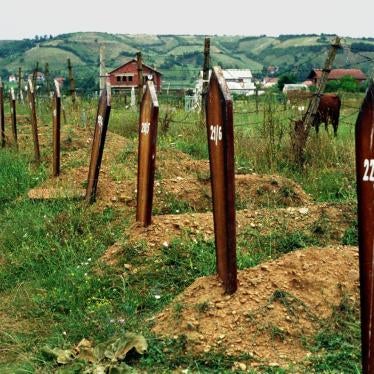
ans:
x=34 y=121
x=20 y=88
x=71 y=81
x=206 y=68
x=2 y=115
x=56 y=130
x=47 y=79
x=219 y=120
x=13 y=113
x=140 y=76
x=365 y=196
x=35 y=75
x=98 y=142
x=148 y=120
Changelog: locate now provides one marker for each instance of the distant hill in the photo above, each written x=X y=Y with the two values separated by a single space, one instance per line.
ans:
x=179 y=57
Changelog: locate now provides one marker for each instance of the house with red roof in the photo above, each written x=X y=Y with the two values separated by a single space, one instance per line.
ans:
x=335 y=74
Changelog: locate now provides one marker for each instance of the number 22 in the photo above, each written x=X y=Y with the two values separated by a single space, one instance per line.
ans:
x=367 y=165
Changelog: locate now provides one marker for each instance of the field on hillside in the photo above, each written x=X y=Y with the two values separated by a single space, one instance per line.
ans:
x=70 y=272
x=180 y=57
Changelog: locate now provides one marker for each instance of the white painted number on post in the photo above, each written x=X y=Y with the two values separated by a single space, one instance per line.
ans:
x=369 y=166
x=100 y=121
x=145 y=128
x=216 y=133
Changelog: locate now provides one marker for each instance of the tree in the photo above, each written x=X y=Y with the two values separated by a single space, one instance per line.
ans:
x=285 y=79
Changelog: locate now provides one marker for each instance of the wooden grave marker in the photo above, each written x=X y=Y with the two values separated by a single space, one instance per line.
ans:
x=13 y=112
x=148 y=120
x=56 y=129
x=365 y=197
x=102 y=120
x=34 y=122
x=219 y=120
x=2 y=115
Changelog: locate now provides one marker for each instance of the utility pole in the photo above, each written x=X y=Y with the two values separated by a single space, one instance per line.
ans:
x=71 y=81
x=302 y=128
x=206 y=68
x=20 y=94
x=140 y=76
x=102 y=78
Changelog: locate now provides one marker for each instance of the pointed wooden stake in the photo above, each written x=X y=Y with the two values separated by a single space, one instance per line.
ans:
x=56 y=130
x=102 y=121
x=219 y=120
x=147 y=154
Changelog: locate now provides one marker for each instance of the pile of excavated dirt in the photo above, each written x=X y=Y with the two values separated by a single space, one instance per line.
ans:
x=318 y=219
x=252 y=191
x=277 y=304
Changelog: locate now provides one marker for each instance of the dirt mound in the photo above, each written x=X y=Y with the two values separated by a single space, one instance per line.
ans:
x=277 y=305
x=252 y=191
x=318 y=219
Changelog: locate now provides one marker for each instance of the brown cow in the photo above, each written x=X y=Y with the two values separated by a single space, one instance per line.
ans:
x=328 y=111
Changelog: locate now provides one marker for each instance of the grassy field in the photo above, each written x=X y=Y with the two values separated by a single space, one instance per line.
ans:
x=56 y=291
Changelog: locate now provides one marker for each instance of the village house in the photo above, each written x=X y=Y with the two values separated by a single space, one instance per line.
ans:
x=40 y=78
x=335 y=74
x=126 y=76
x=239 y=81
x=268 y=82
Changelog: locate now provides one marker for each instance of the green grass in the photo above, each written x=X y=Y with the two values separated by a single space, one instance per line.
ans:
x=56 y=291
x=336 y=347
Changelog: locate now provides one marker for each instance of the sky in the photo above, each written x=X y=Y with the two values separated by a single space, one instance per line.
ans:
x=27 y=18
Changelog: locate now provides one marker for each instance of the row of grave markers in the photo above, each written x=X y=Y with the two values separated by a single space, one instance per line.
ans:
x=219 y=124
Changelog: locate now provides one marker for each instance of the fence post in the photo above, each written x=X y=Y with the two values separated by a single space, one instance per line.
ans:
x=219 y=121
x=20 y=90
x=365 y=197
x=98 y=142
x=2 y=115
x=34 y=122
x=13 y=112
x=148 y=120
x=139 y=61
x=56 y=129
x=71 y=82
x=206 y=68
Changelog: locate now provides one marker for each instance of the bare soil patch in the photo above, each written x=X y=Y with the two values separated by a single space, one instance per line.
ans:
x=318 y=218
x=277 y=305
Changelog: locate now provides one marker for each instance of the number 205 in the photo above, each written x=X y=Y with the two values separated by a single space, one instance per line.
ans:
x=368 y=165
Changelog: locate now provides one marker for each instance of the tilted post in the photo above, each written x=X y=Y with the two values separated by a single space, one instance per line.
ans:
x=219 y=122
x=365 y=197
x=302 y=128
x=148 y=120
x=98 y=142
x=56 y=129
x=34 y=121
x=13 y=113
x=2 y=115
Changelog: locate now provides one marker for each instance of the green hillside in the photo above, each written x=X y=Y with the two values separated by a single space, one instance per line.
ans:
x=180 y=57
